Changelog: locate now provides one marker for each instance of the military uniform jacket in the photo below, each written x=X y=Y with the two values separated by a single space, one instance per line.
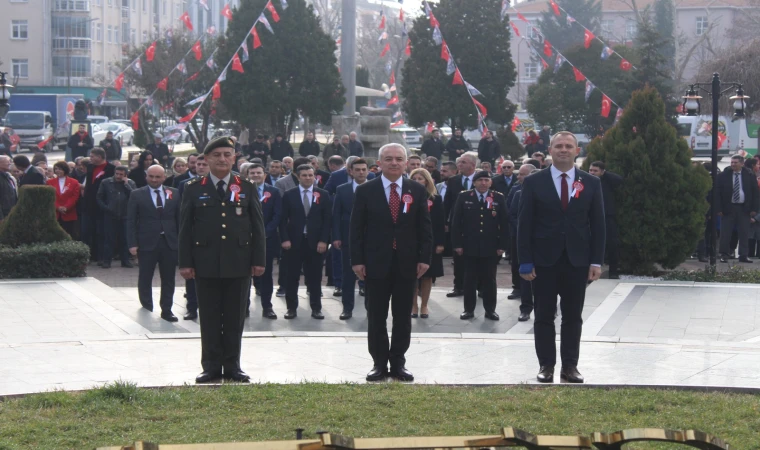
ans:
x=221 y=238
x=480 y=229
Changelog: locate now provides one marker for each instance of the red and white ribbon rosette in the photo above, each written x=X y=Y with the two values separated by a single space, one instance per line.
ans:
x=577 y=189
x=407 y=199
x=316 y=197
x=265 y=196
x=489 y=202
x=169 y=194
x=430 y=205
x=234 y=193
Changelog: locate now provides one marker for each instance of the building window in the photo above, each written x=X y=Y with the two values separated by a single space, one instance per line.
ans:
x=163 y=5
x=531 y=70
x=19 y=29
x=98 y=32
x=116 y=37
x=145 y=5
x=607 y=27
x=532 y=30
x=144 y=37
x=631 y=30
x=109 y=34
x=132 y=36
x=701 y=25
x=74 y=66
x=20 y=68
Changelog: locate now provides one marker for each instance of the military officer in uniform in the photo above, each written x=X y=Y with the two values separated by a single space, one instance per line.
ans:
x=479 y=233
x=222 y=244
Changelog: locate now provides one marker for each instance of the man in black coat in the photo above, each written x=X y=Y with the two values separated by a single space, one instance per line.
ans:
x=159 y=150
x=271 y=209
x=30 y=174
x=433 y=145
x=309 y=147
x=489 y=149
x=454 y=186
x=112 y=147
x=560 y=239
x=93 y=222
x=305 y=233
x=80 y=142
x=738 y=201
x=259 y=149
x=610 y=183
x=457 y=145
x=505 y=181
x=280 y=148
x=391 y=238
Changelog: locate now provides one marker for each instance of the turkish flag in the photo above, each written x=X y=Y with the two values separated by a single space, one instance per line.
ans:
x=216 y=91
x=721 y=139
x=401 y=15
x=544 y=64
x=625 y=65
x=392 y=101
x=444 y=51
x=547 y=48
x=237 y=66
x=382 y=23
x=256 y=40
x=433 y=21
x=119 y=82
x=555 y=7
x=514 y=28
x=606 y=105
x=588 y=36
x=480 y=106
x=190 y=116
x=185 y=18
x=150 y=52
x=521 y=17
x=408 y=49
x=193 y=76
x=162 y=84
x=393 y=79
x=457 y=78
x=197 y=50
x=578 y=75
x=135 y=119
x=42 y=144
x=272 y=11
x=227 y=12
x=386 y=49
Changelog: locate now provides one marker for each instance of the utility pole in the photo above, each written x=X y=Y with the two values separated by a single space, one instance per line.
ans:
x=348 y=55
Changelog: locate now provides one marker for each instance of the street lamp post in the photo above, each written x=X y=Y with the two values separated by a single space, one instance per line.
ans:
x=5 y=95
x=692 y=108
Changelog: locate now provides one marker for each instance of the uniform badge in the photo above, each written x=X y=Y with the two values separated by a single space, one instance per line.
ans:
x=239 y=211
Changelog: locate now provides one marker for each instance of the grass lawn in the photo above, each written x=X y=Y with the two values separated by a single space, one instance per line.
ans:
x=121 y=414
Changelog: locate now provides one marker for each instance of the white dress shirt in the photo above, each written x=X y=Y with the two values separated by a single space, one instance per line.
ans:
x=153 y=195
x=442 y=191
x=557 y=178
x=741 y=186
x=387 y=187
x=62 y=184
x=216 y=180
x=356 y=185
x=469 y=180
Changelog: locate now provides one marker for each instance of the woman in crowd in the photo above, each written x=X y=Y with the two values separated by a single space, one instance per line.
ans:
x=435 y=206
x=66 y=198
x=139 y=173
x=179 y=167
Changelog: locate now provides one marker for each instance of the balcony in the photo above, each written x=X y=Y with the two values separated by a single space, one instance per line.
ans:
x=125 y=13
x=74 y=43
x=75 y=81
x=72 y=5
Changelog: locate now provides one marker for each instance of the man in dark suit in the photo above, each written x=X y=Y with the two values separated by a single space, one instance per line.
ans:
x=459 y=183
x=305 y=231
x=610 y=183
x=189 y=173
x=506 y=180
x=271 y=209
x=30 y=174
x=221 y=245
x=341 y=176
x=93 y=232
x=738 y=201
x=433 y=145
x=153 y=214
x=191 y=294
x=560 y=239
x=320 y=176
x=391 y=248
x=342 y=206
x=159 y=150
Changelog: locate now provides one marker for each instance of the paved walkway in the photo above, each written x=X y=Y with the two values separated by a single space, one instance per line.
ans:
x=79 y=333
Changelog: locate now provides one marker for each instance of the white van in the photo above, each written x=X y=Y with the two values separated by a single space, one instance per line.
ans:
x=697 y=130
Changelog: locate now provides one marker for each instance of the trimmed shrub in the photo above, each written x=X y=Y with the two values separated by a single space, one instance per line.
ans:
x=32 y=220
x=52 y=260
x=709 y=274
x=510 y=144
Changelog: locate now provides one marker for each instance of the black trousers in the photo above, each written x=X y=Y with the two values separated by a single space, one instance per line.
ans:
x=222 y=316
x=115 y=230
x=526 y=296
x=265 y=283
x=569 y=283
x=613 y=253
x=515 y=264
x=166 y=258
x=396 y=291
x=348 y=281
x=71 y=227
x=311 y=262
x=282 y=272
x=458 y=272
x=480 y=273
x=192 y=295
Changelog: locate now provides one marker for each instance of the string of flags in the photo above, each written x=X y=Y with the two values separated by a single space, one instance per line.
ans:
x=393 y=91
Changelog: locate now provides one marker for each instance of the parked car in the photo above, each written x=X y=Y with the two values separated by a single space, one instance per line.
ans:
x=98 y=133
x=446 y=132
x=412 y=137
x=98 y=119
x=125 y=134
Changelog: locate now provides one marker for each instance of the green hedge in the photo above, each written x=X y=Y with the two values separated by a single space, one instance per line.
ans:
x=734 y=274
x=55 y=260
x=32 y=220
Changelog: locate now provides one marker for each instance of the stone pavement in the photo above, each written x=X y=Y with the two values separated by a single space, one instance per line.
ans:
x=80 y=333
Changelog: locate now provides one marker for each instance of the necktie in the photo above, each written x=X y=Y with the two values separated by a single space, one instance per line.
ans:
x=220 y=189
x=159 y=200
x=306 y=203
x=737 y=189
x=394 y=202
x=563 y=189
x=481 y=199
x=466 y=183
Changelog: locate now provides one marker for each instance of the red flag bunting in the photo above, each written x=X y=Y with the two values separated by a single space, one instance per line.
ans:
x=119 y=82
x=588 y=36
x=197 y=50
x=162 y=84
x=578 y=75
x=216 y=92
x=227 y=12
x=554 y=7
x=514 y=28
x=382 y=22
x=547 y=48
x=606 y=105
x=444 y=51
x=480 y=106
x=401 y=15
x=193 y=76
x=433 y=21
x=190 y=116
x=135 y=119
x=393 y=101
x=393 y=79
x=625 y=65
x=273 y=11
x=408 y=49
x=457 y=78
x=42 y=144
x=237 y=66
x=185 y=18
x=515 y=123
x=386 y=49
x=521 y=17
x=256 y=40
x=544 y=64
x=150 y=52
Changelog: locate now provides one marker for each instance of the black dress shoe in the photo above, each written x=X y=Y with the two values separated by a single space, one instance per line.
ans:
x=345 y=315
x=191 y=315
x=361 y=291
x=106 y=264
x=291 y=314
x=269 y=314
x=401 y=374
x=524 y=317
x=545 y=374
x=467 y=315
x=515 y=295
x=492 y=316
x=455 y=293
x=378 y=373
x=127 y=265
x=570 y=374
x=280 y=293
x=148 y=307
x=745 y=260
x=338 y=292
x=208 y=377
x=317 y=315
x=238 y=376
x=169 y=317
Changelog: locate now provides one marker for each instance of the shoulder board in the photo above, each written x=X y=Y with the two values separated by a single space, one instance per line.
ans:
x=193 y=181
x=244 y=181
x=496 y=193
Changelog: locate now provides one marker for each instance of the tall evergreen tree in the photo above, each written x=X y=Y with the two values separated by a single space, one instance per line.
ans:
x=479 y=42
x=664 y=23
x=561 y=32
x=653 y=66
x=662 y=203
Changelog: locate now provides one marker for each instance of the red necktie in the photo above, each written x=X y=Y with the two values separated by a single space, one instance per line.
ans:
x=394 y=202
x=563 y=189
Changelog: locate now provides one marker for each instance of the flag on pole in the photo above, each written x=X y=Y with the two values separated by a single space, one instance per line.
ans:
x=437 y=36
x=588 y=36
x=237 y=66
x=625 y=65
x=578 y=75
x=397 y=123
x=150 y=52
x=555 y=7
x=570 y=20
x=263 y=19
x=195 y=101
x=135 y=119
x=211 y=30
x=162 y=84
x=433 y=21
x=401 y=15
x=558 y=62
x=457 y=78
x=606 y=105
x=168 y=34
x=514 y=28
x=618 y=115
x=383 y=36
x=480 y=106
x=386 y=49
x=589 y=89
x=118 y=82
x=521 y=17
x=284 y=4
x=392 y=81
x=185 y=18
x=444 y=51
x=197 y=50
x=382 y=20
x=450 y=66
x=544 y=64
x=223 y=75
x=210 y=61
x=472 y=89
x=137 y=66
x=193 y=76
x=103 y=96
x=547 y=48
x=504 y=8
x=256 y=40
x=428 y=11
x=392 y=101
x=227 y=12
x=204 y=3
x=181 y=66
x=408 y=49
x=190 y=116
x=216 y=91
x=273 y=11
x=606 y=53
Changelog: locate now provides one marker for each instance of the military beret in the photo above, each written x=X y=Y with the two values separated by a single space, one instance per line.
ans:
x=220 y=142
x=479 y=175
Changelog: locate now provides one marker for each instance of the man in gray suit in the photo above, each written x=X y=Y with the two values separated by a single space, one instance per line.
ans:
x=152 y=229
x=288 y=182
